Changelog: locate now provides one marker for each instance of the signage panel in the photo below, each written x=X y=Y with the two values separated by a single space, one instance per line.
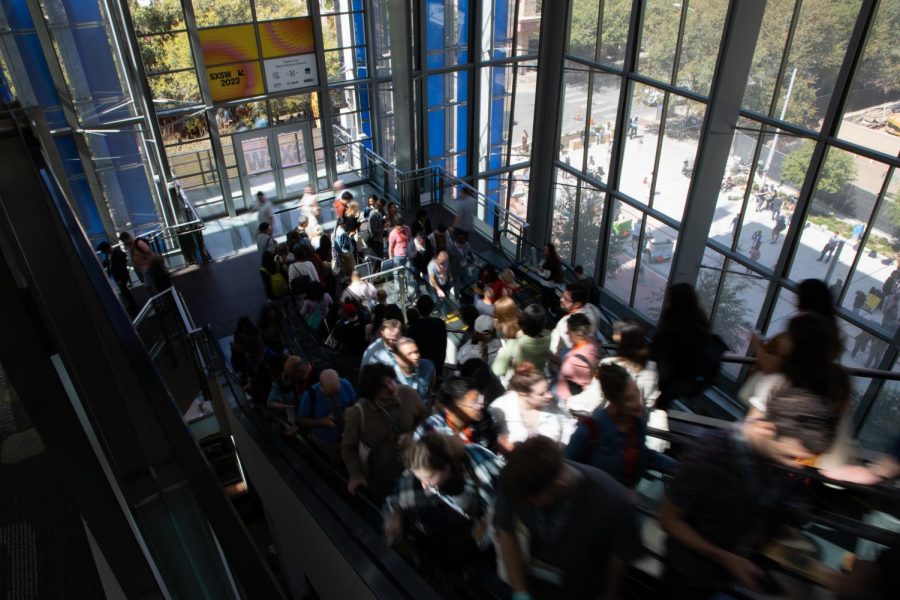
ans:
x=286 y=38
x=230 y=82
x=291 y=72
x=227 y=45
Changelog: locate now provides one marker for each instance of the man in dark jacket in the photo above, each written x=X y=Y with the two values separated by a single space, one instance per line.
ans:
x=116 y=264
x=430 y=334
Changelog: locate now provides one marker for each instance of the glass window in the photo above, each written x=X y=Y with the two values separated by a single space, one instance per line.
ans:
x=446 y=32
x=604 y=109
x=735 y=188
x=241 y=117
x=163 y=53
x=737 y=307
x=528 y=27
x=280 y=9
x=876 y=275
x=879 y=430
x=498 y=87
x=498 y=39
x=590 y=219
x=565 y=192
x=345 y=65
x=659 y=37
x=156 y=16
x=185 y=128
x=446 y=128
x=574 y=101
x=601 y=39
x=194 y=166
x=867 y=118
x=785 y=308
x=381 y=37
x=679 y=150
x=767 y=56
x=523 y=113
x=640 y=141
x=842 y=201
x=173 y=89
x=518 y=197
x=583 y=29
x=340 y=31
x=210 y=13
x=700 y=44
x=288 y=109
x=816 y=53
x=623 y=244
x=654 y=266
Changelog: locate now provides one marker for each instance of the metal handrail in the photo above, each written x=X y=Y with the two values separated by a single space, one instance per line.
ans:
x=503 y=218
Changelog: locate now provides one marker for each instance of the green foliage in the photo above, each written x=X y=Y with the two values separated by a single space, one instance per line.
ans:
x=839 y=169
x=892 y=208
x=613 y=33
x=731 y=313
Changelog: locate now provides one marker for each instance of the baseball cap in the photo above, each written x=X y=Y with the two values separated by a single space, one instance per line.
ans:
x=483 y=324
x=349 y=309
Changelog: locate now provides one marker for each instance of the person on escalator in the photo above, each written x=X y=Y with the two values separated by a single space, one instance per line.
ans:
x=377 y=429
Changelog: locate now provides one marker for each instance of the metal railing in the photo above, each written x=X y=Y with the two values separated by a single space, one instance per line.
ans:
x=168 y=240
x=163 y=322
x=434 y=185
x=399 y=283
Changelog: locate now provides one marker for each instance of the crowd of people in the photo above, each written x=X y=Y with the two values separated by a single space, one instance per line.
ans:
x=518 y=463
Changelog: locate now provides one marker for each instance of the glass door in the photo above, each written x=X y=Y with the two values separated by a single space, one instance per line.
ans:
x=255 y=166
x=295 y=158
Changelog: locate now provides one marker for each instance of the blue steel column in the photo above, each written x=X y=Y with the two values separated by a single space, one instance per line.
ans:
x=40 y=84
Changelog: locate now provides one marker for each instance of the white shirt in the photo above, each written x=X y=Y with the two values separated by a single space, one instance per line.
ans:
x=555 y=423
x=559 y=337
x=362 y=290
x=266 y=214
x=307 y=203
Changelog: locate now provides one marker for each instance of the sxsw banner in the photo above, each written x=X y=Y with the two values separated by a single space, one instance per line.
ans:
x=233 y=63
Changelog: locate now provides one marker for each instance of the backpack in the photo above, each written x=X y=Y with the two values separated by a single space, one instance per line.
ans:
x=279 y=285
x=301 y=283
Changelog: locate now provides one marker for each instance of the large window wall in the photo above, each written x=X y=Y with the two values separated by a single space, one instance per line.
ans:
x=810 y=189
x=480 y=74
x=208 y=143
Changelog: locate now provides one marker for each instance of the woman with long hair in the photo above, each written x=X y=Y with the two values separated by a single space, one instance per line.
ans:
x=811 y=392
x=506 y=318
x=686 y=351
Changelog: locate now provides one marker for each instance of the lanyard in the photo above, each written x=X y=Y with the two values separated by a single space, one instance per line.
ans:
x=387 y=417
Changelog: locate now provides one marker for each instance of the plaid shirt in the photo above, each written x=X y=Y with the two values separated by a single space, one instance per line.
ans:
x=482 y=432
x=433 y=513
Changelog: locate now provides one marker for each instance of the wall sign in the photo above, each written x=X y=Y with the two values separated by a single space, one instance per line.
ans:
x=229 y=82
x=234 y=69
x=286 y=38
x=227 y=45
x=291 y=72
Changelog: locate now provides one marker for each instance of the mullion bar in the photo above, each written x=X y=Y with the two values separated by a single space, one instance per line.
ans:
x=617 y=149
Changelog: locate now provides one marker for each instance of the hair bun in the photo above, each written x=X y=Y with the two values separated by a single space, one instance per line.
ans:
x=525 y=368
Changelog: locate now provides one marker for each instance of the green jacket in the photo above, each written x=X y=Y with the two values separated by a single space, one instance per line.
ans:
x=521 y=349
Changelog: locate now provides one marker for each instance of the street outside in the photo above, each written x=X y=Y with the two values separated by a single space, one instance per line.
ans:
x=669 y=198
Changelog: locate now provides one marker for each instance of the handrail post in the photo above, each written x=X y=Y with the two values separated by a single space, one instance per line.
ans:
x=401 y=287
